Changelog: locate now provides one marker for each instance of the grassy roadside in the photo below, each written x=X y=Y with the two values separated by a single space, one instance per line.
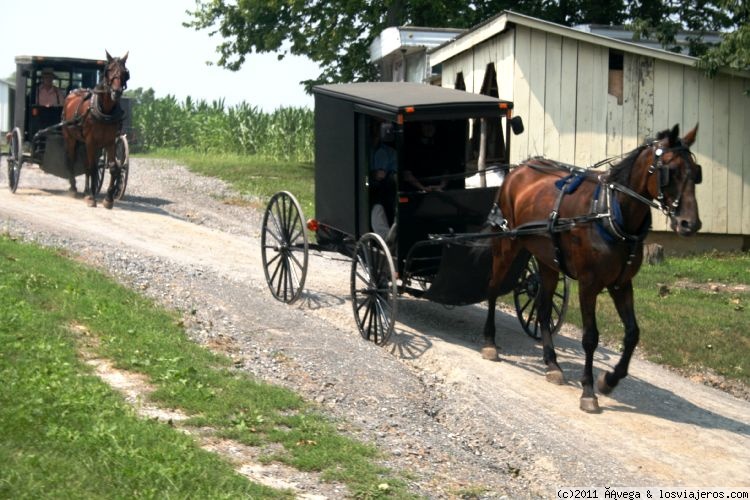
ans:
x=65 y=433
x=688 y=327
x=253 y=176
x=687 y=320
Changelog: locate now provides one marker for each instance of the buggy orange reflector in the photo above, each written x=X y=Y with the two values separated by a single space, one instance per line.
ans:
x=403 y=199
x=400 y=119
x=34 y=111
x=312 y=225
x=503 y=105
x=409 y=109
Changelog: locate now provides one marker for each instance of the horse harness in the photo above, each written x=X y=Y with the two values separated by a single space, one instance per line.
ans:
x=115 y=116
x=605 y=209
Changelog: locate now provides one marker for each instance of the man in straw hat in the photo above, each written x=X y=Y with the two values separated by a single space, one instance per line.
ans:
x=47 y=94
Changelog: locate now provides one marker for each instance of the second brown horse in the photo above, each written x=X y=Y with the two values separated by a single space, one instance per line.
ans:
x=93 y=117
x=607 y=219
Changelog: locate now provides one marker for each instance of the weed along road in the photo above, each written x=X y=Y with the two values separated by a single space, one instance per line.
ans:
x=426 y=396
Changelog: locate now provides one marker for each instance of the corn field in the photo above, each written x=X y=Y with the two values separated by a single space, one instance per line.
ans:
x=213 y=128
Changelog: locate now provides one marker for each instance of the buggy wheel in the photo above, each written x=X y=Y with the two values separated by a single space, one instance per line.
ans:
x=122 y=159
x=284 y=247
x=374 y=289
x=15 y=159
x=525 y=295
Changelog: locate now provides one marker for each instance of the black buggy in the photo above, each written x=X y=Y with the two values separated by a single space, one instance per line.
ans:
x=438 y=244
x=37 y=130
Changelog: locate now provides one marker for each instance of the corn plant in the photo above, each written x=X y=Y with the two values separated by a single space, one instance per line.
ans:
x=210 y=128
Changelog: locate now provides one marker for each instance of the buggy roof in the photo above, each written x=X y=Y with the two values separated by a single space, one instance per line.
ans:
x=414 y=101
x=38 y=61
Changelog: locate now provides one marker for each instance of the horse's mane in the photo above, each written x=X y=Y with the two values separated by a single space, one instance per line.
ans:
x=620 y=173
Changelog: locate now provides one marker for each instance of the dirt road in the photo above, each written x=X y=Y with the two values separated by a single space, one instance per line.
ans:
x=657 y=429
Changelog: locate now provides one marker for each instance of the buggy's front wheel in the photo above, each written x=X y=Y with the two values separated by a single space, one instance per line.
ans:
x=15 y=159
x=284 y=247
x=122 y=159
x=374 y=289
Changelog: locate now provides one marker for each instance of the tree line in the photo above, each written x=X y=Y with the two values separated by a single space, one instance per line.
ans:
x=337 y=33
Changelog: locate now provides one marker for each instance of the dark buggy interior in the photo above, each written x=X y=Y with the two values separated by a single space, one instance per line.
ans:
x=454 y=199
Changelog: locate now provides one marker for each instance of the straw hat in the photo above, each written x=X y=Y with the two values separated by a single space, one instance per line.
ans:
x=48 y=71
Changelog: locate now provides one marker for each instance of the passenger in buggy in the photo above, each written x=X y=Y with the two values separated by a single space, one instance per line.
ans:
x=47 y=94
x=424 y=164
x=383 y=169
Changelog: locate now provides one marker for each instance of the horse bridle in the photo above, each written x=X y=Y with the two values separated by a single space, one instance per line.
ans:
x=123 y=75
x=663 y=171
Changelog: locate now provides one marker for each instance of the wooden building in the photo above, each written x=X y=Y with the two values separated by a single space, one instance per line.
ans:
x=586 y=97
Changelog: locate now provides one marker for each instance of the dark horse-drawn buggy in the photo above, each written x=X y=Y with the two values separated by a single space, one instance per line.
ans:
x=81 y=130
x=452 y=237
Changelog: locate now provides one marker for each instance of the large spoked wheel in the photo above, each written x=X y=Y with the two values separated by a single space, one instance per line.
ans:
x=15 y=159
x=524 y=297
x=122 y=159
x=284 y=247
x=374 y=289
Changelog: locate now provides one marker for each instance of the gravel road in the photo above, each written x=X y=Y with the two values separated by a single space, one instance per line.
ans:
x=455 y=422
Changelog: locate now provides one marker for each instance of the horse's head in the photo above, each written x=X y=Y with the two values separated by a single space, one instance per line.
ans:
x=673 y=176
x=116 y=75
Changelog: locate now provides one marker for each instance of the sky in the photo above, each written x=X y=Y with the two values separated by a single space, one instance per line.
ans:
x=163 y=54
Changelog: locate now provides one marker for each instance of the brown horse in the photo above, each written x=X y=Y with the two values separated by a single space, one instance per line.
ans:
x=94 y=118
x=591 y=228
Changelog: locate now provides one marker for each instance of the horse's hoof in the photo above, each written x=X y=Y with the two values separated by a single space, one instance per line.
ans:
x=108 y=204
x=590 y=405
x=489 y=353
x=602 y=385
x=555 y=377
x=72 y=192
x=90 y=201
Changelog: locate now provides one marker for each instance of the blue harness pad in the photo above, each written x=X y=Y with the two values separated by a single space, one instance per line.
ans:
x=569 y=183
x=617 y=219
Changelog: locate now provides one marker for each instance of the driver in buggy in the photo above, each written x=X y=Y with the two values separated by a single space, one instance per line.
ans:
x=383 y=168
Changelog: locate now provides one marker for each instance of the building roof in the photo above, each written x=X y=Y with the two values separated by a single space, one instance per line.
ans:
x=507 y=19
x=409 y=39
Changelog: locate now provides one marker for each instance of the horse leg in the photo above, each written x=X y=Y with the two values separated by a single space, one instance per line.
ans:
x=114 y=175
x=503 y=254
x=70 y=155
x=549 y=278
x=92 y=174
x=623 y=299
x=587 y=299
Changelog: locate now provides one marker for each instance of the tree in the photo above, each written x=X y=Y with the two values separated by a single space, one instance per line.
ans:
x=734 y=50
x=337 y=33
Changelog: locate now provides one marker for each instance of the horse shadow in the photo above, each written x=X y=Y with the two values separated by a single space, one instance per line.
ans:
x=633 y=395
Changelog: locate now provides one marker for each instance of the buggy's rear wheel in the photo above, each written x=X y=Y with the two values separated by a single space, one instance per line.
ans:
x=374 y=289
x=284 y=247
x=15 y=159
x=525 y=295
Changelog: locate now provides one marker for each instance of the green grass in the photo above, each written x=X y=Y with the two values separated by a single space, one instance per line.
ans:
x=65 y=433
x=253 y=175
x=686 y=328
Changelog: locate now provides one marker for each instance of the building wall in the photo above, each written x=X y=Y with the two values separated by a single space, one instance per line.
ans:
x=560 y=87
